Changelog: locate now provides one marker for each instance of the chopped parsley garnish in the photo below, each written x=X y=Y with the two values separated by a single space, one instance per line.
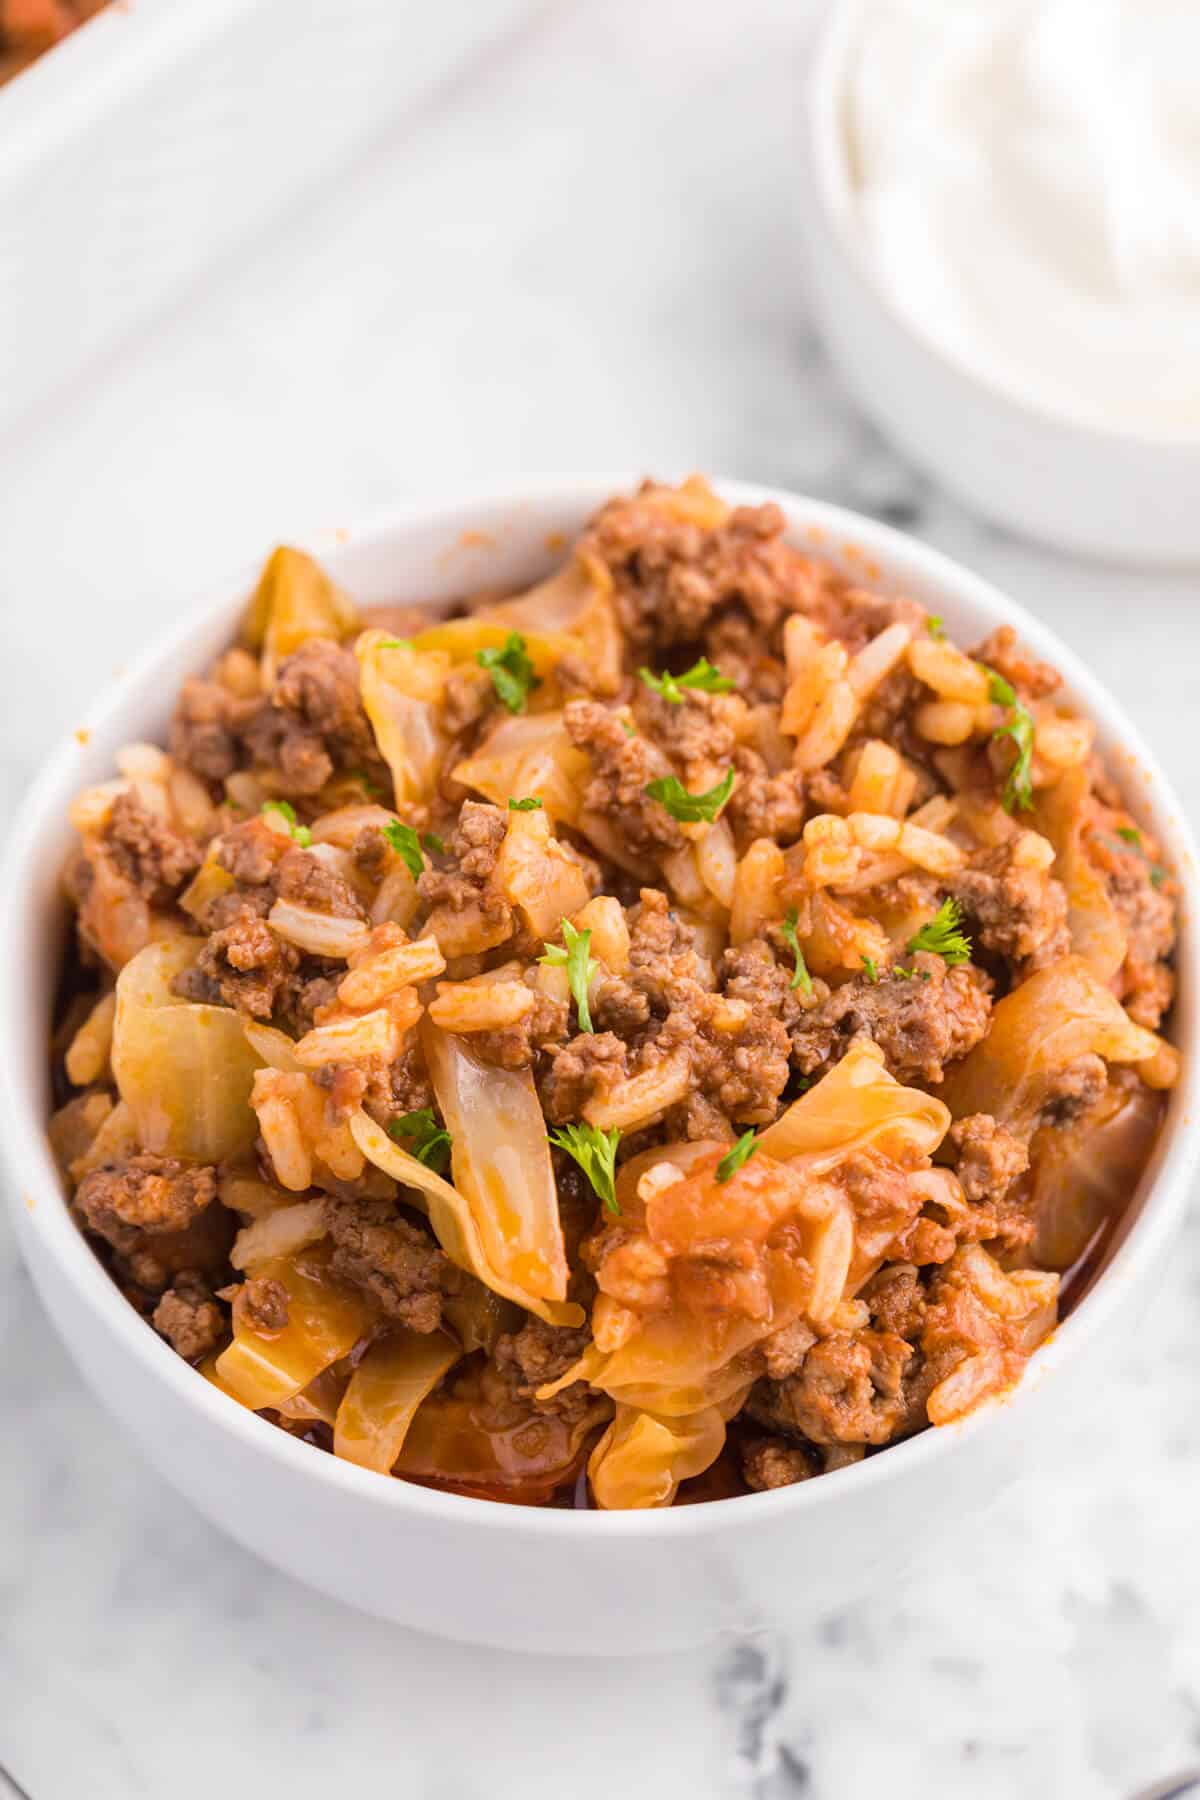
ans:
x=420 y=1134
x=702 y=677
x=407 y=845
x=393 y=643
x=935 y=626
x=511 y=671
x=596 y=1153
x=1018 y=788
x=689 y=809
x=530 y=804
x=870 y=969
x=369 y=787
x=580 y=968
x=433 y=844
x=733 y=1159
x=801 y=979
x=628 y=729
x=300 y=834
x=942 y=935
x=1133 y=839
x=903 y=974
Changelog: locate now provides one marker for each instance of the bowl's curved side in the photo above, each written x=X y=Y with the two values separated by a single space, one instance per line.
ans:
x=562 y=1581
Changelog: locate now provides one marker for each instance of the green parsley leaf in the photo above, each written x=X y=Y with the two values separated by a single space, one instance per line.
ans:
x=1133 y=839
x=393 y=643
x=733 y=1159
x=689 y=808
x=420 y=1134
x=530 y=804
x=942 y=935
x=370 y=788
x=511 y=671
x=433 y=844
x=935 y=626
x=300 y=834
x=870 y=969
x=596 y=1153
x=407 y=845
x=903 y=974
x=702 y=676
x=1018 y=788
x=801 y=979
x=579 y=966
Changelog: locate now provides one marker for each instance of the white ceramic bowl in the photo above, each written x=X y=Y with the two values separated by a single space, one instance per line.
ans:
x=506 y=1575
x=1118 y=495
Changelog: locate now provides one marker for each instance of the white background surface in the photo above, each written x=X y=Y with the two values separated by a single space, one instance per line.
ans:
x=575 y=252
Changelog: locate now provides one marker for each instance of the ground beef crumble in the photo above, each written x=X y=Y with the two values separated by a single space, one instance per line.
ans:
x=396 y=1263
x=189 y=1317
x=921 y=1024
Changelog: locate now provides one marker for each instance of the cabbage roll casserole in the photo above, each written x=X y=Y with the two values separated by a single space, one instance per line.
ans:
x=667 y=1033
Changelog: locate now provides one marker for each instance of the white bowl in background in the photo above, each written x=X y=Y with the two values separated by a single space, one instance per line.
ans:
x=1118 y=495
x=516 y=1577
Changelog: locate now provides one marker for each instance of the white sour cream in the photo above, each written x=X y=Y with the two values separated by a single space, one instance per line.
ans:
x=1028 y=184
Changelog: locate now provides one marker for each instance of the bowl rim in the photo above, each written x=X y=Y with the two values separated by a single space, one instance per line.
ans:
x=36 y=1191
x=824 y=95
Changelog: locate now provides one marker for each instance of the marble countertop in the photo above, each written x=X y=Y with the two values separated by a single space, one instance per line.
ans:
x=575 y=253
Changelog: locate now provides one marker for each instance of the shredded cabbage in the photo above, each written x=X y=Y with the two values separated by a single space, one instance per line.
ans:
x=858 y=1103
x=384 y=1392
x=641 y=1460
x=455 y=1215
x=1060 y=1014
x=325 y=1321
x=295 y=600
x=528 y=754
x=1097 y=932
x=401 y=692
x=185 y=1071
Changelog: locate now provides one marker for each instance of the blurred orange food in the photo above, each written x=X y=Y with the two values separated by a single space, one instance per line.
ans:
x=28 y=27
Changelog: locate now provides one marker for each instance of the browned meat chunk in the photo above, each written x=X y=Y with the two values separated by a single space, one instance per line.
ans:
x=245 y=966
x=750 y=972
x=188 y=1316
x=1019 y=913
x=583 y=1068
x=671 y=573
x=539 y=1353
x=313 y=722
x=517 y=1046
x=462 y=895
x=265 y=1303
x=896 y=1300
x=622 y=766
x=697 y=732
x=398 y=1265
x=989 y=1159
x=160 y=1214
x=849 y=1391
x=1144 y=897
x=205 y=731
x=664 y=963
x=920 y=1024
x=144 y=1194
x=152 y=858
x=764 y=805
x=773 y=1462
x=308 y=881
